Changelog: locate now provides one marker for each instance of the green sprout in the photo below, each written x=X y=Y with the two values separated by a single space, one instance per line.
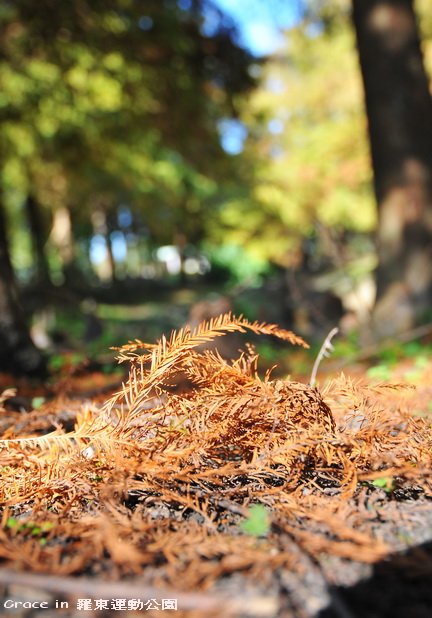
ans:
x=384 y=482
x=257 y=522
x=36 y=530
x=37 y=402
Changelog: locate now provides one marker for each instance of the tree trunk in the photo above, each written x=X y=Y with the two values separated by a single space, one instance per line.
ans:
x=18 y=354
x=399 y=110
x=38 y=236
x=100 y=219
x=62 y=238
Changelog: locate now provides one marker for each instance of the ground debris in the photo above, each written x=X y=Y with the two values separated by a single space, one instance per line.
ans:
x=175 y=472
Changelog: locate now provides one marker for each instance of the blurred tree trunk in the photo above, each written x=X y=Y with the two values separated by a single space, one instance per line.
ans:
x=38 y=236
x=399 y=110
x=61 y=236
x=18 y=354
x=102 y=225
x=110 y=251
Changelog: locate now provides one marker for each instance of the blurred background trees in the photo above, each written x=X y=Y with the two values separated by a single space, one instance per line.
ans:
x=147 y=151
x=399 y=109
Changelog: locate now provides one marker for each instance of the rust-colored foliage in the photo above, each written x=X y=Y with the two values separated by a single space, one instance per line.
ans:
x=158 y=479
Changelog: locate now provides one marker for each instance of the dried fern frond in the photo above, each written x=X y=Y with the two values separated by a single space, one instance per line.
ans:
x=192 y=432
x=89 y=429
x=166 y=356
x=209 y=368
x=186 y=339
x=54 y=439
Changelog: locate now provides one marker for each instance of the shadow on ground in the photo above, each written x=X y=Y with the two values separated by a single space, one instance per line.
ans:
x=400 y=587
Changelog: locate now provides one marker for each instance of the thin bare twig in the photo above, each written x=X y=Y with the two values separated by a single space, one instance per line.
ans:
x=324 y=352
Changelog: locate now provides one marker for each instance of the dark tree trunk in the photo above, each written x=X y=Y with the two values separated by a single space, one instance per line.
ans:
x=399 y=110
x=18 y=354
x=38 y=235
x=111 y=260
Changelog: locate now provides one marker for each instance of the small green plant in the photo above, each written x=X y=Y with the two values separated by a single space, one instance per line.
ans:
x=384 y=482
x=96 y=478
x=379 y=372
x=62 y=362
x=30 y=528
x=257 y=523
x=37 y=402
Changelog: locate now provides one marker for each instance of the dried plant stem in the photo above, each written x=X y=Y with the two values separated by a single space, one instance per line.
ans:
x=325 y=349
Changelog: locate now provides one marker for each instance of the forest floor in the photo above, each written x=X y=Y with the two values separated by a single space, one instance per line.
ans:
x=180 y=480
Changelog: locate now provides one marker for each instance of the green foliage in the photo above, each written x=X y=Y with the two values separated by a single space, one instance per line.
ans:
x=65 y=362
x=416 y=352
x=29 y=528
x=96 y=111
x=101 y=112
x=257 y=522
x=308 y=140
x=425 y=24
x=37 y=402
x=346 y=347
x=385 y=482
x=239 y=262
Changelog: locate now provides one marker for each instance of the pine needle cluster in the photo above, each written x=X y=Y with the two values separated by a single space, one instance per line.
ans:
x=160 y=478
